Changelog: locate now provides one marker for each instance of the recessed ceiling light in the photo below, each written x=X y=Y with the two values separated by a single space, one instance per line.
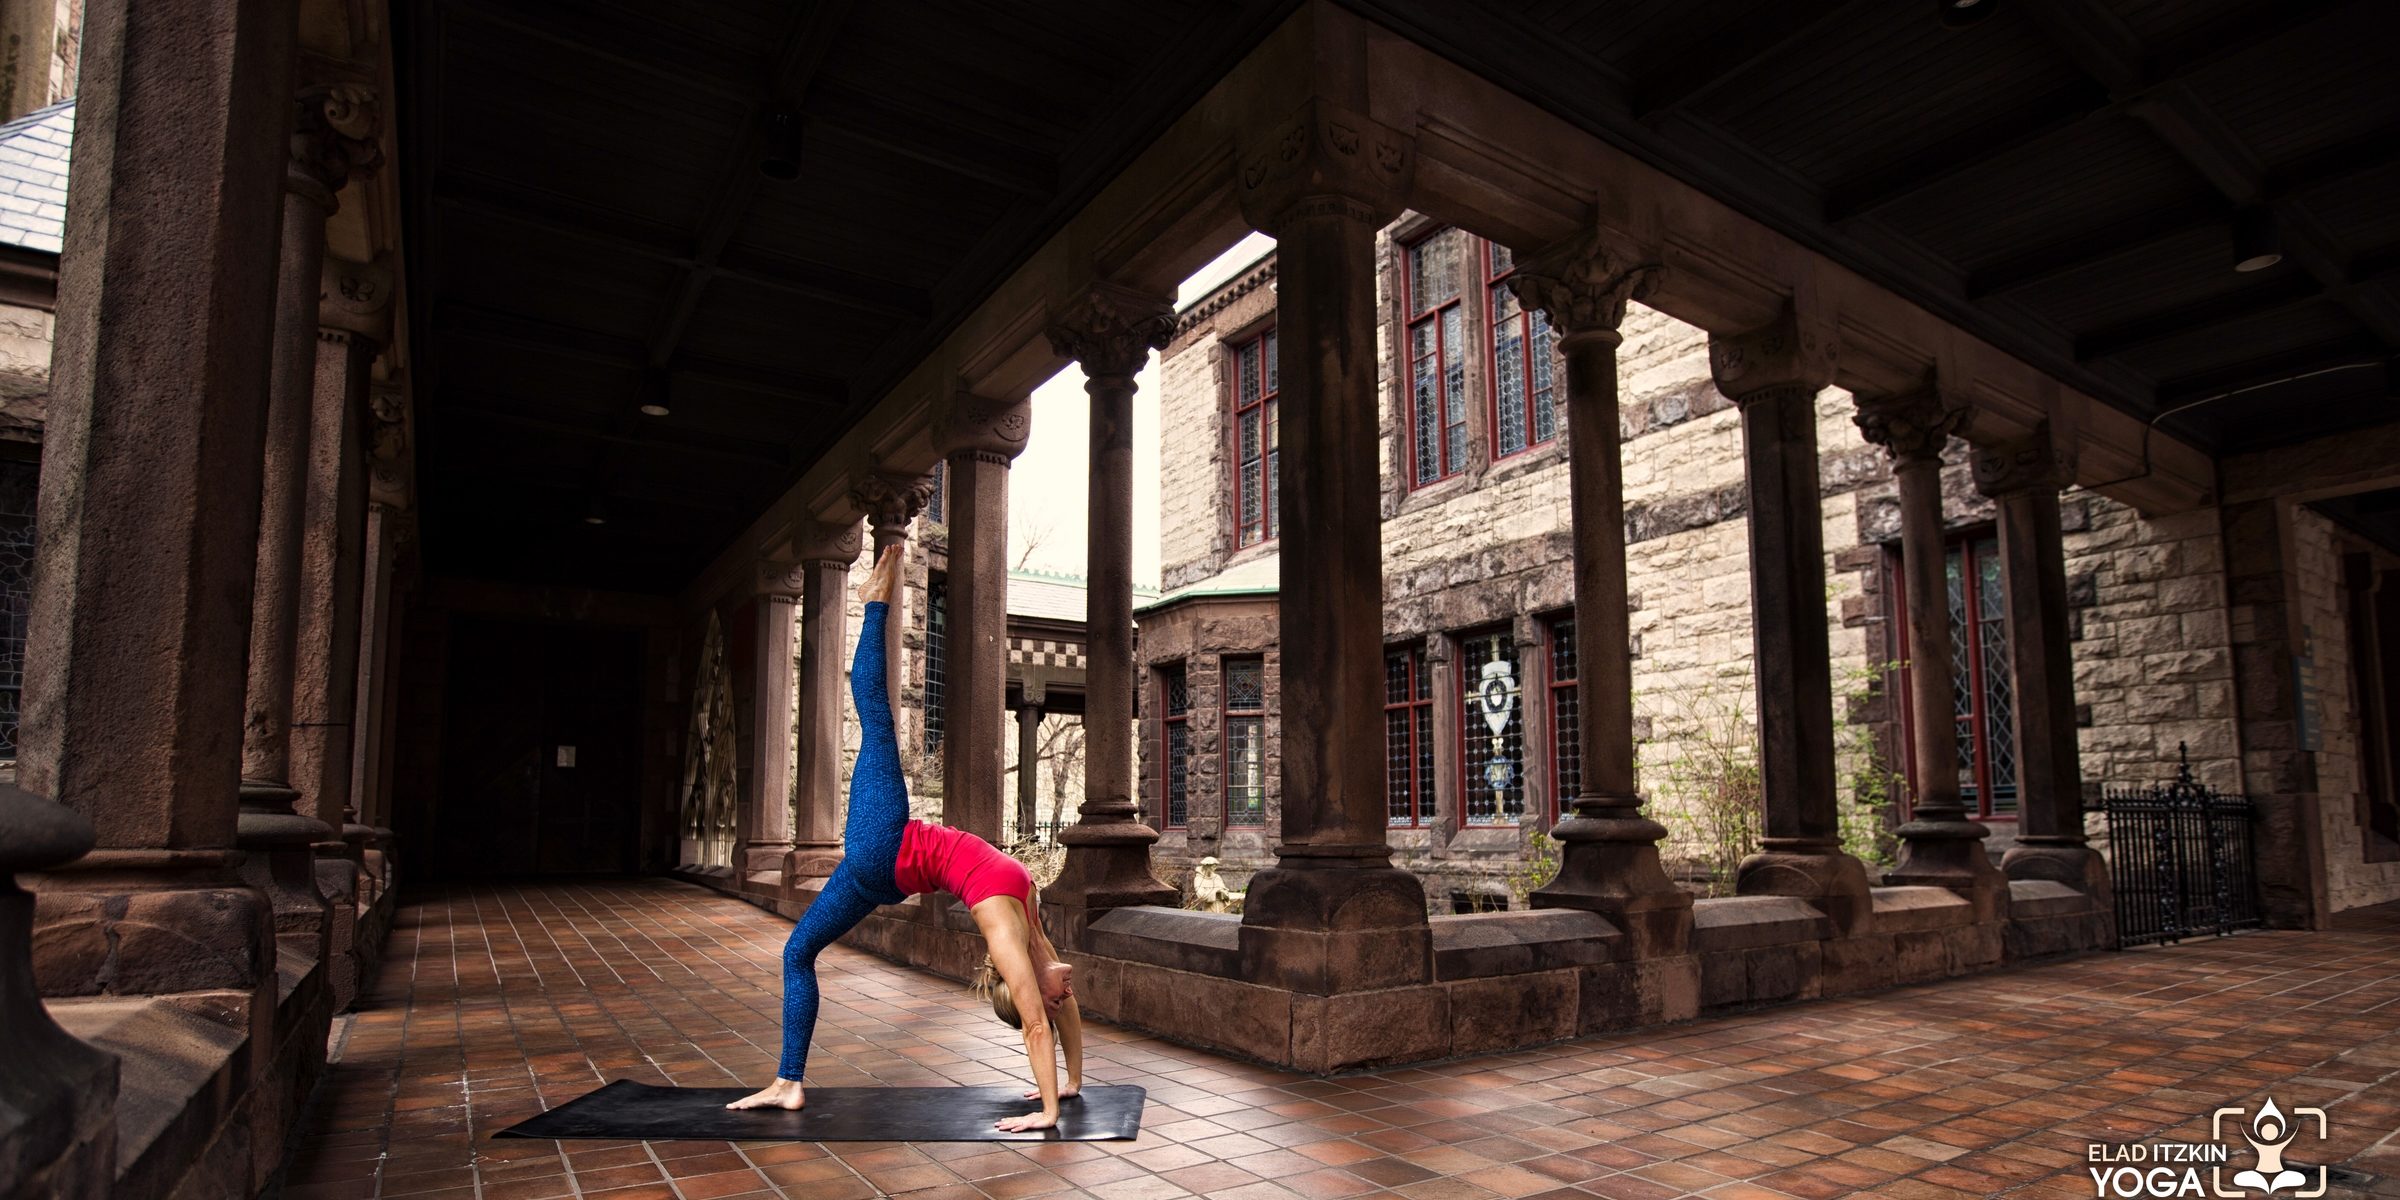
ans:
x=781 y=159
x=2255 y=243
x=654 y=410
x=1960 y=13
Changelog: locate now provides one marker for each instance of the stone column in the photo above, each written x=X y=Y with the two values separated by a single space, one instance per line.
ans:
x=1608 y=850
x=142 y=581
x=58 y=1120
x=1774 y=374
x=980 y=437
x=1029 y=749
x=766 y=820
x=1333 y=915
x=1940 y=845
x=333 y=135
x=2023 y=478
x=1111 y=332
x=387 y=499
x=891 y=501
x=825 y=553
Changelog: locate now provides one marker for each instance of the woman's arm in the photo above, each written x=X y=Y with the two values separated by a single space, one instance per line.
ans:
x=1070 y=1037
x=1041 y=1047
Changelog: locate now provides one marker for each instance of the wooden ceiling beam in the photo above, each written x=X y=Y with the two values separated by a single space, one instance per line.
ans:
x=700 y=69
x=752 y=454
x=1732 y=52
x=1872 y=192
x=497 y=328
x=2261 y=299
x=864 y=122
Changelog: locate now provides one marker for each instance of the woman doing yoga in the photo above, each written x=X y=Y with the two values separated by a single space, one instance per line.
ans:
x=888 y=857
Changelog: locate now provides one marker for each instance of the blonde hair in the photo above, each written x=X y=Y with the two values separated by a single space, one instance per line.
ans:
x=989 y=986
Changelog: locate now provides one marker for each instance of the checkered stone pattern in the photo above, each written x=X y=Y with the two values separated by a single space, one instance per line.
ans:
x=498 y=1001
x=1045 y=652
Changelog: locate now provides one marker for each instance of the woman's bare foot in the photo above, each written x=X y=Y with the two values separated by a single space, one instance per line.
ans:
x=884 y=580
x=1068 y=1092
x=783 y=1093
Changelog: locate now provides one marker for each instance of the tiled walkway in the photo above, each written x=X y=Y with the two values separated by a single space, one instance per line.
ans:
x=497 y=1001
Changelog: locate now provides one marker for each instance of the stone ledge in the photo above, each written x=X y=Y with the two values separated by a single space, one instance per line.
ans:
x=1479 y=945
x=184 y=1088
x=1202 y=943
x=2030 y=899
x=1919 y=909
x=1749 y=922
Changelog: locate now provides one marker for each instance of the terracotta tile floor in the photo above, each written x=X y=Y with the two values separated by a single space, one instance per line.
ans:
x=497 y=1001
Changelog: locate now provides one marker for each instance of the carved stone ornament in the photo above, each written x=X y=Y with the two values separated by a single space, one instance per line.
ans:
x=1787 y=353
x=1583 y=284
x=2023 y=464
x=334 y=136
x=891 y=500
x=387 y=445
x=1912 y=425
x=1112 y=330
x=778 y=576
x=827 y=542
x=981 y=425
x=1324 y=151
x=356 y=297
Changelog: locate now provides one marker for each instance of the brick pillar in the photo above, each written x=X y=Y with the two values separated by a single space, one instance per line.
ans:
x=1608 y=850
x=1111 y=333
x=1940 y=845
x=1774 y=374
x=333 y=136
x=142 y=582
x=2023 y=478
x=825 y=553
x=1333 y=915
x=980 y=436
x=766 y=819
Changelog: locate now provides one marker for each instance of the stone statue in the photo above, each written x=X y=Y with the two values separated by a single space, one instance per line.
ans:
x=1209 y=890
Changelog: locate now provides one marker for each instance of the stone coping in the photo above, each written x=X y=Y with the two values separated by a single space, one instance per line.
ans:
x=184 y=1067
x=1480 y=945
x=2029 y=898
x=1744 y=922
x=1918 y=908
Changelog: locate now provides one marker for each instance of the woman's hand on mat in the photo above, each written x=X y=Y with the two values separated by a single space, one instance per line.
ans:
x=783 y=1093
x=1026 y=1122
x=884 y=580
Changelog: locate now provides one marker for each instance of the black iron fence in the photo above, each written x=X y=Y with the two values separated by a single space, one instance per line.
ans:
x=2180 y=861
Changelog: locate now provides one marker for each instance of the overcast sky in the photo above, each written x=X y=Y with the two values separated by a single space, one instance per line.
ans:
x=1047 y=504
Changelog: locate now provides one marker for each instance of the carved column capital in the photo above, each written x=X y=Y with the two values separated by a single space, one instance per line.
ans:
x=1583 y=284
x=387 y=445
x=334 y=137
x=2024 y=464
x=826 y=542
x=992 y=429
x=355 y=297
x=1324 y=156
x=1784 y=354
x=1111 y=330
x=779 y=576
x=890 y=500
x=1912 y=426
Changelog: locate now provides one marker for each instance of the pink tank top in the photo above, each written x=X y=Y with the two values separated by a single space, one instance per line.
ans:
x=937 y=858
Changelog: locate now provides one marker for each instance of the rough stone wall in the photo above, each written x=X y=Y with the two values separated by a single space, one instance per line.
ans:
x=24 y=371
x=2316 y=562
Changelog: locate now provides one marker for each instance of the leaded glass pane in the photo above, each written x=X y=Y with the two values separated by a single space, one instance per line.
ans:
x=1399 y=755
x=1508 y=377
x=1245 y=770
x=1274 y=383
x=1425 y=408
x=1999 y=682
x=1490 y=698
x=1179 y=774
x=1177 y=691
x=937 y=627
x=1503 y=261
x=18 y=483
x=1245 y=684
x=1433 y=270
x=1565 y=712
x=1537 y=351
x=1962 y=674
x=1247 y=371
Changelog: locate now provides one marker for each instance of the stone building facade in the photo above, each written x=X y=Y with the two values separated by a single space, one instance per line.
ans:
x=1478 y=564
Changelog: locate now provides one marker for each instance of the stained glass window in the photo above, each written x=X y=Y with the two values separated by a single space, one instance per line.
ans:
x=18 y=482
x=1523 y=407
x=1566 y=752
x=1245 y=710
x=1982 y=682
x=1437 y=359
x=1492 y=717
x=1175 y=710
x=1257 y=434
x=1407 y=735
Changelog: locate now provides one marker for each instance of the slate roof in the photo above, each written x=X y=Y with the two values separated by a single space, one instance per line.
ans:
x=33 y=177
x=1261 y=576
x=1052 y=596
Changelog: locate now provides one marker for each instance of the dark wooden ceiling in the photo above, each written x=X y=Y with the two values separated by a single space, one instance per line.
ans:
x=2060 y=177
x=588 y=228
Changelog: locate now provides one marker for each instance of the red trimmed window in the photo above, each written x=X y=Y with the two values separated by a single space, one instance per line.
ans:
x=1491 y=729
x=1524 y=414
x=1245 y=711
x=1256 y=440
x=1983 y=687
x=1407 y=735
x=1566 y=752
x=1175 y=745
x=1437 y=359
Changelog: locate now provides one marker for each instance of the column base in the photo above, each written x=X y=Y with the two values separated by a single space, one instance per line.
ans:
x=1825 y=877
x=58 y=1093
x=280 y=860
x=1608 y=864
x=1107 y=866
x=762 y=862
x=338 y=881
x=810 y=860
x=150 y=922
x=1946 y=851
x=1330 y=925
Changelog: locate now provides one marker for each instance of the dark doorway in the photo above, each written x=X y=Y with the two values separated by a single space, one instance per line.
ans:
x=541 y=750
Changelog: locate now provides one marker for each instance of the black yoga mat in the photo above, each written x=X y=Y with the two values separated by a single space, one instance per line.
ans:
x=631 y=1111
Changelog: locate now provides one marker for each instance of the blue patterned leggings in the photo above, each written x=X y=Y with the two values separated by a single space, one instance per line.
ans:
x=870 y=845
